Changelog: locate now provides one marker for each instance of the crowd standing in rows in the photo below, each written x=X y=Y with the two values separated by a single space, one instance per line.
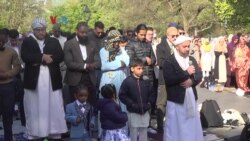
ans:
x=114 y=82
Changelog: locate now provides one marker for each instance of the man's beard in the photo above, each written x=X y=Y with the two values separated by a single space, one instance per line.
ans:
x=83 y=40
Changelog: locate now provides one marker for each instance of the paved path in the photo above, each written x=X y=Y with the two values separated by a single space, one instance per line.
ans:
x=226 y=100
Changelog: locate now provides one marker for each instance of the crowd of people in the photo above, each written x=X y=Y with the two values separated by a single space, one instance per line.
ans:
x=113 y=82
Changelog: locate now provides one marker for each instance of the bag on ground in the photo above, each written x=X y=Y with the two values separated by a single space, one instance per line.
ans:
x=211 y=114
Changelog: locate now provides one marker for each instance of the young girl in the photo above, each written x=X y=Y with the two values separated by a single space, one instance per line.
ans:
x=112 y=118
x=80 y=114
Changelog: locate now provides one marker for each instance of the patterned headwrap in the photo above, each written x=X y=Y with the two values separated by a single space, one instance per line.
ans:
x=113 y=36
x=39 y=23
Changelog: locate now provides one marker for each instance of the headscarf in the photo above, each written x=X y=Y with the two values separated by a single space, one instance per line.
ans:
x=39 y=23
x=231 y=45
x=218 y=46
x=206 y=45
x=113 y=36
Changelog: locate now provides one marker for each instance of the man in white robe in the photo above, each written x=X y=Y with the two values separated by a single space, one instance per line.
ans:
x=43 y=103
x=182 y=74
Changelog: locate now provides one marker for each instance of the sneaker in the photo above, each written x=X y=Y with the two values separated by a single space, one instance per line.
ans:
x=152 y=130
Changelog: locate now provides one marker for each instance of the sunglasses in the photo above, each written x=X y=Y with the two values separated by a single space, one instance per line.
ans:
x=181 y=33
x=174 y=36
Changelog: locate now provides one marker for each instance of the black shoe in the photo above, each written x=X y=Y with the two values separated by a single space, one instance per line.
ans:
x=160 y=117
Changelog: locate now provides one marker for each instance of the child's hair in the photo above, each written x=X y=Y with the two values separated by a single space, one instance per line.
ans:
x=136 y=62
x=108 y=91
x=80 y=87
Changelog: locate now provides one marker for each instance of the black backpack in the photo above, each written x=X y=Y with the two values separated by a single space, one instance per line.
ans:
x=245 y=133
x=211 y=114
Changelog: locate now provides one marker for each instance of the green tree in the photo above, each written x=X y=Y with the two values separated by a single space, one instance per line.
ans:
x=19 y=14
x=234 y=13
x=128 y=13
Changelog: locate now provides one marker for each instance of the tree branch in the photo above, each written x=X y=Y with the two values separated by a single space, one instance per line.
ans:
x=203 y=29
x=199 y=10
x=170 y=5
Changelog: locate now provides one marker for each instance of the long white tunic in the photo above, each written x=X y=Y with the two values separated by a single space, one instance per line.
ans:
x=43 y=107
x=183 y=120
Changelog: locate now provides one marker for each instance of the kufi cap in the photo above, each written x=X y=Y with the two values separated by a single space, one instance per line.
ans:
x=181 y=39
x=39 y=23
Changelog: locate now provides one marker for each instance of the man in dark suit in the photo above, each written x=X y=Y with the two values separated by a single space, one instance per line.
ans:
x=182 y=74
x=163 y=51
x=82 y=59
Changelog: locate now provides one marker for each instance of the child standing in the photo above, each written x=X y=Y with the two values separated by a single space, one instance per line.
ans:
x=136 y=94
x=111 y=116
x=80 y=114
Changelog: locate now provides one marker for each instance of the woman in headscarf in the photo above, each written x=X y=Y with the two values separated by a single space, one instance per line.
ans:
x=230 y=74
x=241 y=66
x=221 y=54
x=206 y=58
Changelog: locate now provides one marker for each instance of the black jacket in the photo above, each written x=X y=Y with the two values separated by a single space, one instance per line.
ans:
x=111 y=116
x=136 y=94
x=163 y=51
x=32 y=57
x=141 y=50
x=174 y=75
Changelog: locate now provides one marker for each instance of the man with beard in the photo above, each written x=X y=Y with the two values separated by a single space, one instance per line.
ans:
x=139 y=48
x=97 y=35
x=82 y=59
x=181 y=79
x=43 y=103
x=9 y=68
x=56 y=31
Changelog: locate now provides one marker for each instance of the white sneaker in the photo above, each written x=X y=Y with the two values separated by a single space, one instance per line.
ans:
x=152 y=131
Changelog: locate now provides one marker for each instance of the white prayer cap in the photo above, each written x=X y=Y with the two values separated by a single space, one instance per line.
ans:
x=39 y=23
x=181 y=39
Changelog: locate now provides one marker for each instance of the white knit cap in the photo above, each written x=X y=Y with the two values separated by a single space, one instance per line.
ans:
x=181 y=39
x=39 y=23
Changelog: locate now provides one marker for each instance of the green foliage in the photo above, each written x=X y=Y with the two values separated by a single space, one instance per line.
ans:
x=18 y=14
x=235 y=12
x=100 y=11
x=194 y=15
x=72 y=10
x=224 y=10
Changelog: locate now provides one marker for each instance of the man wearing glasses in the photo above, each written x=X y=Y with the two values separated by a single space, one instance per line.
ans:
x=181 y=30
x=163 y=51
x=97 y=35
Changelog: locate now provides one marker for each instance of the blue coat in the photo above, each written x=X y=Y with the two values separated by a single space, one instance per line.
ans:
x=113 y=72
x=77 y=130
